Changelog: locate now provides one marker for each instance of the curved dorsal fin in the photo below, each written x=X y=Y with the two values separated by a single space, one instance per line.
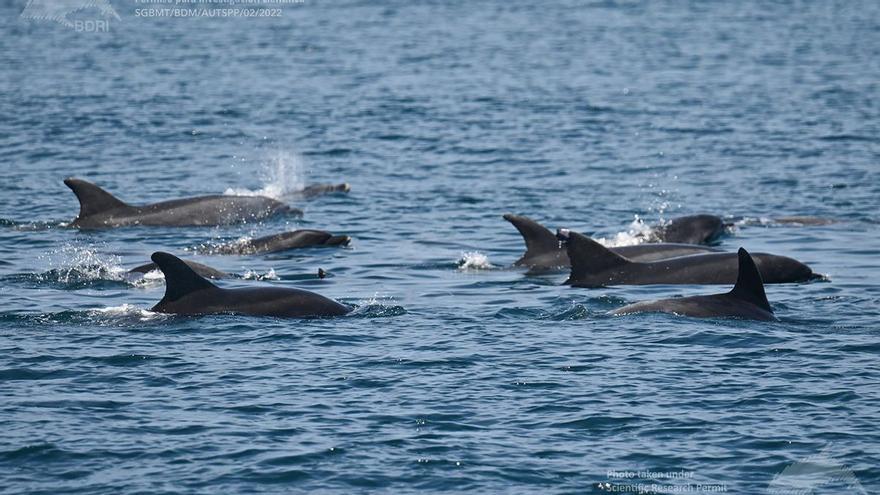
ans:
x=588 y=257
x=749 y=284
x=92 y=199
x=180 y=279
x=539 y=239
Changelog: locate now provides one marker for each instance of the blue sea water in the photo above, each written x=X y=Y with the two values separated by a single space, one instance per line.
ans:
x=455 y=373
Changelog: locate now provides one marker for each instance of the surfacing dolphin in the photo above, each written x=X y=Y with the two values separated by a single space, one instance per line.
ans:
x=545 y=252
x=282 y=242
x=746 y=300
x=691 y=229
x=100 y=209
x=187 y=293
x=320 y=189
x=594 y=265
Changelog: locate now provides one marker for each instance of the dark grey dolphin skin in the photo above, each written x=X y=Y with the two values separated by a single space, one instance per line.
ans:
x=282 y=242
x=746 y=300
x=313 y=190
x=545 y=252
x=691 y=229
x=187 y=293
x=594 y=265
x=203 y=270
x=100 y=209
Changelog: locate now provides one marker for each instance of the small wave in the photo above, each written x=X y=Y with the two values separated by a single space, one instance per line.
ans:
x=474 y=260
x=377 y=307
x=283 y=175
x=123 y=316
x=34 y=226
x=571 y=312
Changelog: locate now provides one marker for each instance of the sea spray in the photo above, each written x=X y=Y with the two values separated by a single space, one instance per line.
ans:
x=474 y=260
x=282 y=175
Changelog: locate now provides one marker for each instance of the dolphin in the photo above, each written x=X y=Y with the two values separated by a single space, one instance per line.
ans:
x=691 y=229
x=282 y=242
x=203 y=270
x=746 y=300
x=188 y=293
x=594 y=265
x=100 y=209
x=545 y=252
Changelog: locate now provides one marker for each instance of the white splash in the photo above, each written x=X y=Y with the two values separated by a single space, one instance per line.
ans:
x=637 y=233
x=474 y=260
x=150 y=279
x=127 y=310
x=365 y=306
x=254 y=275
x=283 y=174
x=75 y=263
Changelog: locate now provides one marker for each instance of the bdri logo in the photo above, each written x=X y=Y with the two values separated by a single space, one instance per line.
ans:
x=60 y=11
x=816 y=474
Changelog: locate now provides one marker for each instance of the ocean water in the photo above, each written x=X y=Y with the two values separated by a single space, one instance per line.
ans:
x=455 y=372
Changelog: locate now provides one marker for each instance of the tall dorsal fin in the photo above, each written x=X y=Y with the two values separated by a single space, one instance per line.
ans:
x=180 y=279
x=539 y=239
x=92 y=199
x=749 y=284
x=588 y=257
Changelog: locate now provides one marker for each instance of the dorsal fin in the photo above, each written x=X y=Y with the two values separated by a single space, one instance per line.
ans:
x=749 y=284
x=92 y=199
x=588 y=257
x=539 y=239
x=180 y=279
